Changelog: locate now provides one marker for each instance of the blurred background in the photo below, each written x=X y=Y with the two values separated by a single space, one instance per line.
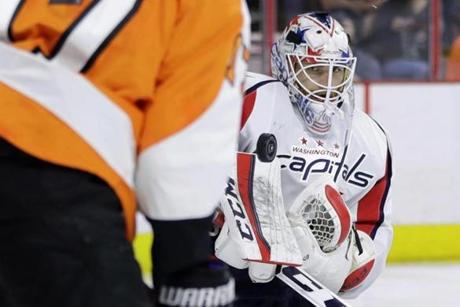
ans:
x=393 y=39
x=408 y=79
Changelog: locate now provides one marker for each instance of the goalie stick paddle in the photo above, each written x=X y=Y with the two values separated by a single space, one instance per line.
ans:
x=313 y=293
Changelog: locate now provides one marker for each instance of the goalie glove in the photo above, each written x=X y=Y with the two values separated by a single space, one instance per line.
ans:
x=362 y=262
x=336 y=254
x=321 y=223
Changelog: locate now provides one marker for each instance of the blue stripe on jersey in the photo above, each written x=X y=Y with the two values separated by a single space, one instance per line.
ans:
x=388 y=175
x=257 y=85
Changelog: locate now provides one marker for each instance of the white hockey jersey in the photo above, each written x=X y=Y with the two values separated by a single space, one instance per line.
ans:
x=362 y=170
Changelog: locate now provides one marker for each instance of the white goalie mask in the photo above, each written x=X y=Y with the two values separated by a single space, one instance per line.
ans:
x=313 y=59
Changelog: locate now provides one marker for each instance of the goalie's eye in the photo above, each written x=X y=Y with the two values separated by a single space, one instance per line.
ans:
x=338 y=69
x=316 y=70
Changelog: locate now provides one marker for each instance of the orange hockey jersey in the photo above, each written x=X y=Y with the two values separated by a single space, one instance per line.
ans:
x=144 y=94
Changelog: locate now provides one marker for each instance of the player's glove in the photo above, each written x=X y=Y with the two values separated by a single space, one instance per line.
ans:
x=331 y=251
x=363 y=260
x=208 y=284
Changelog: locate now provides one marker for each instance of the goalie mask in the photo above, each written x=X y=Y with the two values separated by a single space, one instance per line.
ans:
x=313 y=59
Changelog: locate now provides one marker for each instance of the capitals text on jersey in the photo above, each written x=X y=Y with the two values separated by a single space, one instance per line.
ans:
x=351 y=174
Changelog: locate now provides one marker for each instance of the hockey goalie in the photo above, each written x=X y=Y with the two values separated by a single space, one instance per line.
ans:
x=310 y=198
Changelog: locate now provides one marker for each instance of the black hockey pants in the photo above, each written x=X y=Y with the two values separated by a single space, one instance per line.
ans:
x=62 y=239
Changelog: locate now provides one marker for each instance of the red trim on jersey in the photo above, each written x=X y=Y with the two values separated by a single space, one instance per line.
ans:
x=337 y=202
x=245 y=171
x=248 y=106
x=357 y=276
x=370 y=207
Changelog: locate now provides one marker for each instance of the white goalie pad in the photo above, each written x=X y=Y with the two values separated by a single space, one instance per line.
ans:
x=256 y=227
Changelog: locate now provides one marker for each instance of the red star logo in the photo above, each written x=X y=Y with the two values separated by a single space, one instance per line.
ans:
x=304 y=141
x=320 y=143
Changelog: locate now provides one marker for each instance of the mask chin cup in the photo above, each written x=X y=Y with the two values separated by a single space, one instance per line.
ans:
x=318 y=118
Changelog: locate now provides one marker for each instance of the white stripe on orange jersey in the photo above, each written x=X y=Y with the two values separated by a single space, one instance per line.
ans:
x=75 y=101
x=168 y=185
x=162 y=167
x=91 y=32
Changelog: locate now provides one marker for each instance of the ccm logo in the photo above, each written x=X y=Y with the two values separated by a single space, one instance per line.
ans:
x=237 y=210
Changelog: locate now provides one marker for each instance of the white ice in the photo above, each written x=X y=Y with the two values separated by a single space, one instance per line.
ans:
x=418 y=285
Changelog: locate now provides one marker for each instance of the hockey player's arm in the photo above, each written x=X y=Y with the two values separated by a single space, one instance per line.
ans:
x=188 y=143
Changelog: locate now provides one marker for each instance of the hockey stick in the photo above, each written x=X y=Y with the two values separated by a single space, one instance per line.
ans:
x=313 y=293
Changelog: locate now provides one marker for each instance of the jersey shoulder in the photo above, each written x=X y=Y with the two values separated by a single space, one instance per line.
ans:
x=255 y=81
x=262 y=93
x=365 y=123
x=369 y=135
x=260 y=89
